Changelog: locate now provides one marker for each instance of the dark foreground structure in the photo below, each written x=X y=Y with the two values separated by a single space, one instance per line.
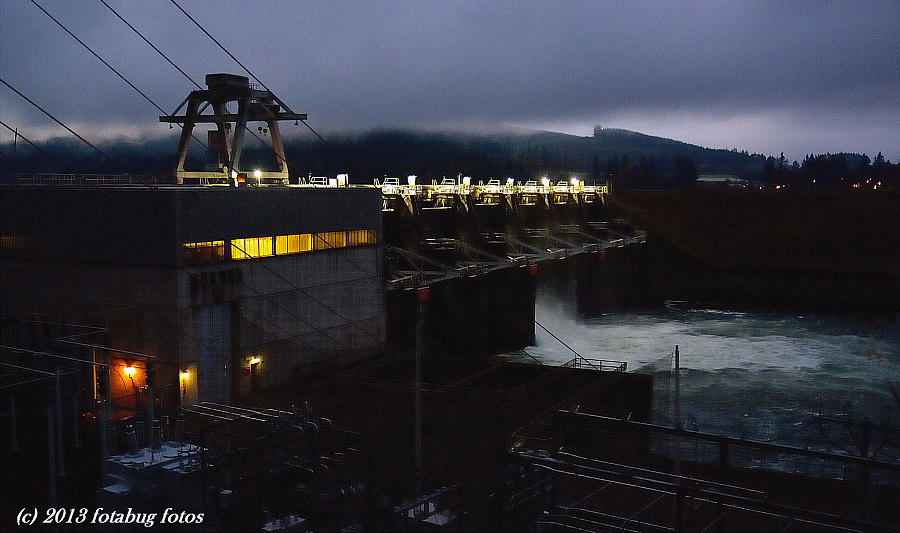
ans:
x=325 y=358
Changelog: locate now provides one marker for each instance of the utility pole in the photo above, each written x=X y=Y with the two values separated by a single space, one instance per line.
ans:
x=15 y=145
x=61 y=458
x=422 y=296
x=677 y=391
x=148 y=381
x=678 y=507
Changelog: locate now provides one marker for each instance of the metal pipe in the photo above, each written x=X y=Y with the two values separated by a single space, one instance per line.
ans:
x=51 y=460
x=59 y=425
x=13 y=426
x=150 y=420
x=103 y=414
x=76 y=416
x=420 y=326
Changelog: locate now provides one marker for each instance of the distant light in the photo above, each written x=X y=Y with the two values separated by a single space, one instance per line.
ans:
x=130 y=370
x=575 y=182
x=332 y=182
x=184 y=375
x=778 y=186
x=510 y=181
x=255 y=360
x=257 y=174
x=545 y=181
x=411 y=180
x=466 y=180
x=343 y=180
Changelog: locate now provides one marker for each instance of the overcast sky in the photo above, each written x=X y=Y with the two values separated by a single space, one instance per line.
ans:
x=803 y=77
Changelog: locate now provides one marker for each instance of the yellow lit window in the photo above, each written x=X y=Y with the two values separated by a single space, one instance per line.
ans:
x=330 y=239
x=293 y=244
x=305 y=242
x=359 y=237
x=265 y=247
x=283 y=244
x=202 y=252
x=239 y=249
x=251 y=247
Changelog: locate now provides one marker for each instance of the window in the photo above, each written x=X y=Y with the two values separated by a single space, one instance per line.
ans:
x=256 y=247
x=360 y=237
x=293 y=244
x=251 y=247
x=203 y=252
x=330 y=239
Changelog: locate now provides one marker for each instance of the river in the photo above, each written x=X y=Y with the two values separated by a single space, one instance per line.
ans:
x=787 y=378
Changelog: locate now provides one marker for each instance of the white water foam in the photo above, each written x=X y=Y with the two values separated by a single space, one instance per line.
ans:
x=751 y=375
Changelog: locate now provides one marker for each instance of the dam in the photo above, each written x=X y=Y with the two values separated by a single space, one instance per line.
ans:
x=315 y=353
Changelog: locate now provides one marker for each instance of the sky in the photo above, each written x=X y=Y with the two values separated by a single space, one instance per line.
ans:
x=799 y=77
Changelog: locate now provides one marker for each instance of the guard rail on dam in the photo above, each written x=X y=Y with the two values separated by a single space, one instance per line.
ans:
x=486 y=250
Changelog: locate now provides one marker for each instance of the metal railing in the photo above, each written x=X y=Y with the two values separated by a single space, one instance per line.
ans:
x=451 y=186
x=603 y=365
x=52 y=178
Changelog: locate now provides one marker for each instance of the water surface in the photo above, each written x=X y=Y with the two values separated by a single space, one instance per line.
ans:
x=794 y=379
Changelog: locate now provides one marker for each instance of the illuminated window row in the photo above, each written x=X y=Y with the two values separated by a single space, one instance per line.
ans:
x=256 y=247
x=203 y=252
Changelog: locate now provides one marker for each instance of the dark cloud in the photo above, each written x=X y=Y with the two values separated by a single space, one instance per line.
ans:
x=798 y=76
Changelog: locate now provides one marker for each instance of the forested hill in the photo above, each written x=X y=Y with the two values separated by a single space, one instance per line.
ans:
x=628 y=159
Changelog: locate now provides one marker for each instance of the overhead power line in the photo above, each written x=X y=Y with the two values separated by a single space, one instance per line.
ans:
x=44 y=111
x=183 y=73
x=341 y=155
x=158 y=51
x=306 y=292
x=49 y=156
x=88 y=48
x=110 y=67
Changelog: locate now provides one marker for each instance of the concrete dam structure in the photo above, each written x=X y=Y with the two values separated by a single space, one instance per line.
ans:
x=488 y=250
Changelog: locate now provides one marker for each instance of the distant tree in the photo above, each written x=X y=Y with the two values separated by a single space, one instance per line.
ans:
x=768 y=171
x=862 y=168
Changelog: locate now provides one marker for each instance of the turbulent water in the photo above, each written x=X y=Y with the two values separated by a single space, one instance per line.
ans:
x=793 y=379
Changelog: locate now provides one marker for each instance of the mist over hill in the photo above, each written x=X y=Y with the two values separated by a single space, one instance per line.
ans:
x=628 y=159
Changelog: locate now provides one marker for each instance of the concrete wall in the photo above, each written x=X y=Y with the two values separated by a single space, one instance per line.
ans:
x=143 y=225
x=112 y=257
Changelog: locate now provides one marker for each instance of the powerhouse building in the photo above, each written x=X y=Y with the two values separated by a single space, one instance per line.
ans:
x=228 y=289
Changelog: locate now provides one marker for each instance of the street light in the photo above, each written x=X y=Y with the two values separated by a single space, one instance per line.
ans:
x=130 y=371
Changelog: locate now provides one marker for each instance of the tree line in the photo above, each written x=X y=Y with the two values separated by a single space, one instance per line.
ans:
x=624 y=158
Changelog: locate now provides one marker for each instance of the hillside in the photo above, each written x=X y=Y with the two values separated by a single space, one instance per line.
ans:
x=628 y=158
